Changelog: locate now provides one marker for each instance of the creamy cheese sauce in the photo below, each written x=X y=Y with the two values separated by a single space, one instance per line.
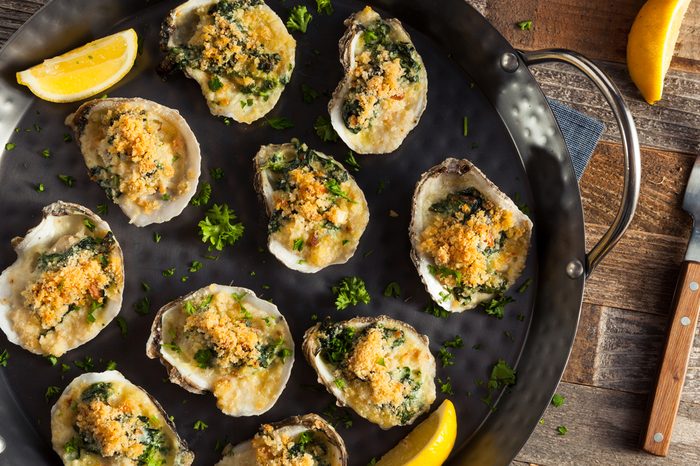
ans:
x=68 y=285
x=111 y=423
x=318 y=211
x=135 y=156
x=474 y=244
x=383 y=374
x=227 y=341
x=292 y=446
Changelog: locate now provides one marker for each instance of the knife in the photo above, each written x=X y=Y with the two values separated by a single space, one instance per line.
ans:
x=679 y=342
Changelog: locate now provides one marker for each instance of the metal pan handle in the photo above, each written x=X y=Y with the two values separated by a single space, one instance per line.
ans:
x=630 y=145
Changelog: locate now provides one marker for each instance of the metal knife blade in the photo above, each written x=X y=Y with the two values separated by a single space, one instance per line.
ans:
x=691 y=204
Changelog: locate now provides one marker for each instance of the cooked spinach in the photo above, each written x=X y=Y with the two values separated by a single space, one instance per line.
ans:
x=454 y=203
x=336 y=342
x=204 y=357
x=97 y=391
x=96 y=245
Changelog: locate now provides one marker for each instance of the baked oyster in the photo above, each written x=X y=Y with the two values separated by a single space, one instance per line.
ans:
x=317 y=212
x=380 y=367
x=225 y=340
x=385 y=88
x=300 y=440
x=66 y=284
x=239 y=51
x=469 y=240
x=143 y=155
x=102 y=418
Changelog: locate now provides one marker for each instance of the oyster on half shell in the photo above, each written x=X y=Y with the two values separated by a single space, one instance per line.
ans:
x=308 y=439
x=239 y=51
x=66 y=284
x=469 y=240
x=102 y=418
x=380 y=367
x=225 y=340
x=317 y=212
x=142 y=154
x=385 y=88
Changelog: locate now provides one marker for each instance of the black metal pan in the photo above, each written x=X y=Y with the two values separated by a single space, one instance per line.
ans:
x=513 y=137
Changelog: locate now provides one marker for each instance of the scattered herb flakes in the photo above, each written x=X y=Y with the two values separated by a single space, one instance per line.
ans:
x=279 y=122
x=215 y=84
x=121 y=322
x=324 y=6
x=67 y=137
x=436 y=310
x=89 y=224
x=298 y=244
x=200 y=425
x=508 y=335
x=340 y=383
x=334 y=188
x=502 y=376
x=40 y=188
x=65 y=367
x=218 y=227
x=526 y=284
x=102 y=209
x=309 y=94
x=195 y=266
x=446 y=357
x=203 y=195
x=368 y=253
x=465 y=126
x=456 y=342
x=477 y=346
x=496 y=307
x=446 y=386
x=184 y=278
x=372 y=462
x=520 y=317
x=351 y=161
x=86 y=365
x=46 y=153
x=4 y=357
x=165 y=197
x=111 y=365
x=324 y=130
x=67 y=180
x=157 y=237
x=10 y=146
x=145 y=286
x=557 y=400
x=525 y=25
x=143 y=306
x=562 y=430
x=52 y=359
x=217 y=174
x=227 y=121
x=541 y=421
x=392 y=290
x=169 y=272
x=299 y=19
x=51 y=392
x=350 y=291
x=37 y=127
x=337 y=416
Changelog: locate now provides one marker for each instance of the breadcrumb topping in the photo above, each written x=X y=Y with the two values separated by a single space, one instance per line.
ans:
x=115 y=430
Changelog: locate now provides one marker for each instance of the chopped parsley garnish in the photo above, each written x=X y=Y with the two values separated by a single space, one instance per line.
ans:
x=200 y=425
x=10 y=146
x=465 y=126
x=52 y=359
x=525 y=285
x=4 y=356
x=65 y=367
x=195 y=266
x=67 y=137
x=67 y=180
x=334 y=188
x=86 y=365
x=165 y=197
x=169 y=272
x=456 y=342
x=557 y=400
x=279 y=122
x=325 y=130
x=435 y=310
x=446 y=357
x=496 y=307
x=46 y=153
x=309 y=94
x=562 y=430
x=39 y=188
x=298 y=244
x=299 y=19
x=392 y=290
x=102 y=209
x=351 y=161
x=446 y=386
x=502 y=376
x=171 y=347
x=299 y=447
x=121 y=322
x=525 y=25
x=111 y=365
x=143 y=306
x=218 y=227
x=203 y=195
x=324 y=6
x=215 y=84
x=217 y=174
x=157 y=237
x=145 y=286
x=337 y=416
x=51 y=392
x=340 y=383
x=89 y=224
x=350 y=291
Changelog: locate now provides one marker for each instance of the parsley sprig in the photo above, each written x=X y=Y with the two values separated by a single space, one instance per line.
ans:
x=218 y=227
x=350 y=291
x=299 y=19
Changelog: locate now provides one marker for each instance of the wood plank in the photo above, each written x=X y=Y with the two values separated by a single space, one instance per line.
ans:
x=604 y=428
x=595 y=28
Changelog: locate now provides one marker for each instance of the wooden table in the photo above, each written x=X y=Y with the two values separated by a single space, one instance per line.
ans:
x=623 y=321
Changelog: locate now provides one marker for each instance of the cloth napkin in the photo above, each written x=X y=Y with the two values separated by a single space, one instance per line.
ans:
x=581 y=134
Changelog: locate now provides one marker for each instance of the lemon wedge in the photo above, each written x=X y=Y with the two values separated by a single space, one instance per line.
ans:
x=85 y=71
x=651 y=42
x=429 y=444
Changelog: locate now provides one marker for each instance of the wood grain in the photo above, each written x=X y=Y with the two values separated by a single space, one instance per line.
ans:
x=674 y=364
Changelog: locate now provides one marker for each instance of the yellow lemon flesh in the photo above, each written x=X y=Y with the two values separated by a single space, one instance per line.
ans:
x=651 y=42
x=85 y=71
x=429 y=444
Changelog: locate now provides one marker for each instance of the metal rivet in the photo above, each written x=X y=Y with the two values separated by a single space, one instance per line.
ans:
x=694 y=286
x=658 y=437
x=509 y=62
x=2 y=444
x=685 y=320
x=574 y=269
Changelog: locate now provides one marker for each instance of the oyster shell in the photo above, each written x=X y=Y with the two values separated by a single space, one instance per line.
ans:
x=102 y=418
x=385 y=88
x=239 y=52
x=66 y=284
x=455 y=200
x=317 y=211
x=320 y=441
x=193 y=338
x=380 y=367
x=143 y=155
